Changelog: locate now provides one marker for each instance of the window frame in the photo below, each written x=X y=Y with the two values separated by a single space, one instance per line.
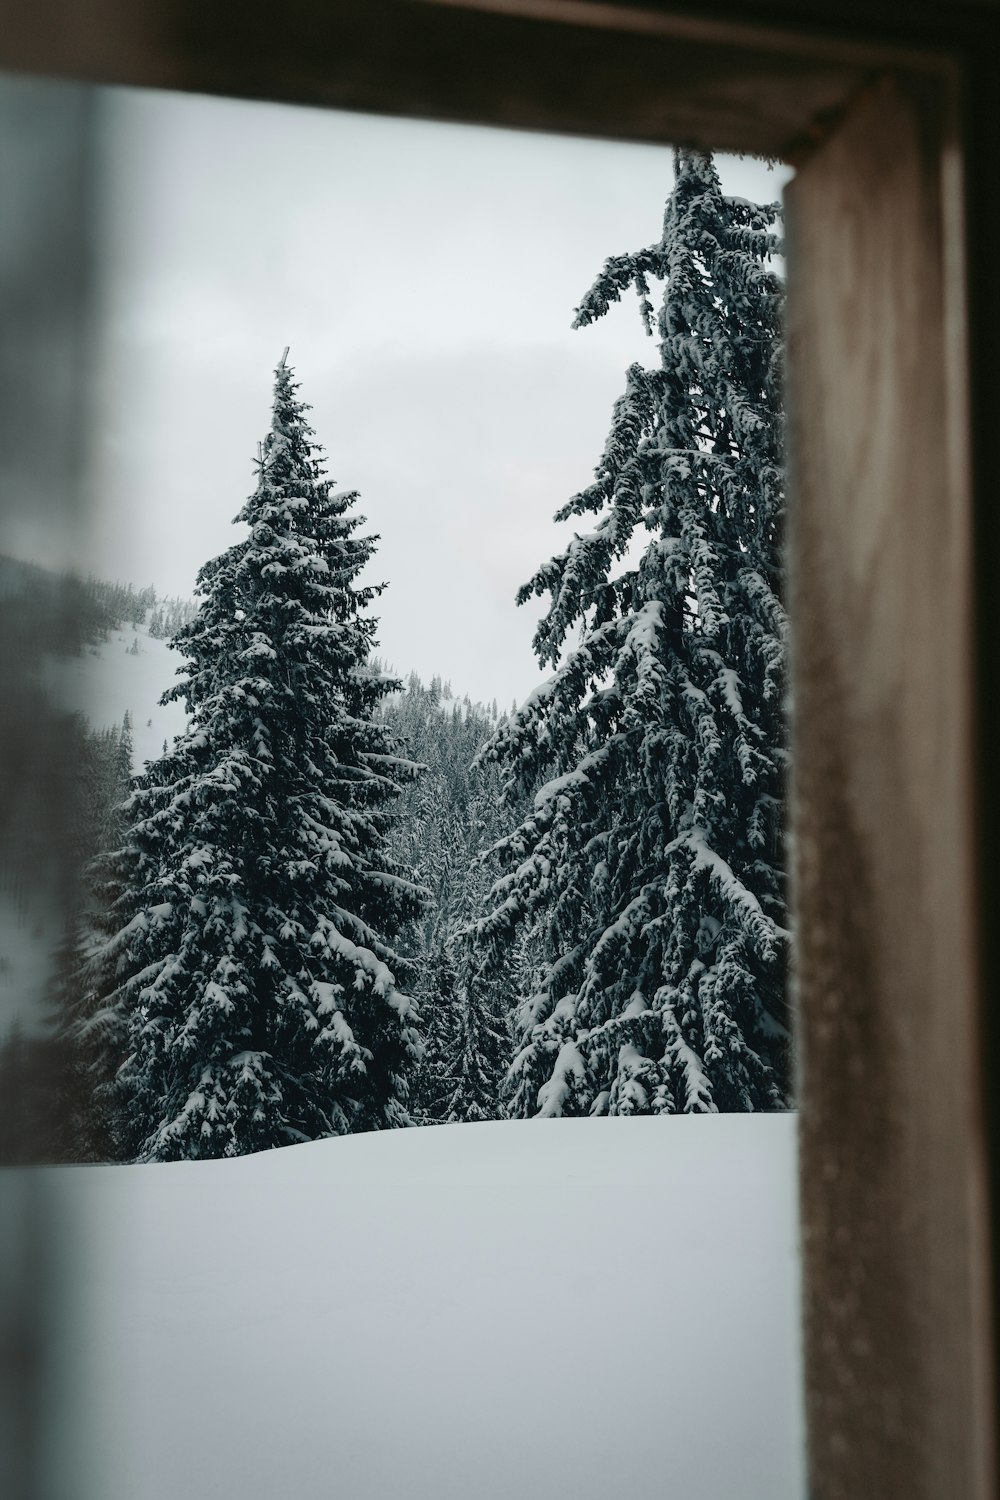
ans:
x=894 y=814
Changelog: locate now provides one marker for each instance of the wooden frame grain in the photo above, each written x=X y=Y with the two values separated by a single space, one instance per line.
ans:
x=893 y=319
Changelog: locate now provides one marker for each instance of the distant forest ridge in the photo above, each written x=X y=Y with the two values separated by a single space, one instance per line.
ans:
x=62 y=612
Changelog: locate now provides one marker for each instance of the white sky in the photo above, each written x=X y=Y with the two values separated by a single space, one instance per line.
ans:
x=425 y=278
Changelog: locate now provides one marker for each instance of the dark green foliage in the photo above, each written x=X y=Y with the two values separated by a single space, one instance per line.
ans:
x=446 y=827
x=651 y=865
x=255 y=896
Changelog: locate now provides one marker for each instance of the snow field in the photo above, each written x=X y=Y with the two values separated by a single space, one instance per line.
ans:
x=106 y=680
x=537 y=1309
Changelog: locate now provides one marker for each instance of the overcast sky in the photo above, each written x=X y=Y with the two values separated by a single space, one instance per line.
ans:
x=425 y=278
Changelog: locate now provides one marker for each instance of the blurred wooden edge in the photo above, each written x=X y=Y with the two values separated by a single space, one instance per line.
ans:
x=894 y=1175
x=894 y=322
x=601 y=69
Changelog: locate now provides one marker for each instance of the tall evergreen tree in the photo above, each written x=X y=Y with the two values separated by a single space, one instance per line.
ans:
x=257 y=903
x=651 y=864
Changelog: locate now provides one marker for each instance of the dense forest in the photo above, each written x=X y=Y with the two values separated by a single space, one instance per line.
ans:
x=341 y=901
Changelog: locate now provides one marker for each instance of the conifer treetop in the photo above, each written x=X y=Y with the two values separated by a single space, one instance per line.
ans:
x=258 y=899
x=651 y=860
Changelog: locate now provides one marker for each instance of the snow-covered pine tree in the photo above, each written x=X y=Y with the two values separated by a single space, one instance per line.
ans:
x=258 y=902
x=651 y=865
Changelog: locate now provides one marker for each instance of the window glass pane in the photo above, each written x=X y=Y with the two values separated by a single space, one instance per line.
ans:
x=414 y=855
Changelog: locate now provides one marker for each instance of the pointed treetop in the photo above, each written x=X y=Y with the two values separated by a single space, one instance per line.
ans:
x=270 y=1009
x=285 y=384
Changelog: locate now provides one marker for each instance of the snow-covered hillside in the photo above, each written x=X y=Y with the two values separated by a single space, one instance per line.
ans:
x=548 y=1310
x=128 y=671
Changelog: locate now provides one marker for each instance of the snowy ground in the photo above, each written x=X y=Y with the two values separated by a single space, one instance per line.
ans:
x=547 y=1310
x=107 y=679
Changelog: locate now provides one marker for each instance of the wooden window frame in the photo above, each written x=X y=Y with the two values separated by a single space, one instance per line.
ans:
x=886 y=113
